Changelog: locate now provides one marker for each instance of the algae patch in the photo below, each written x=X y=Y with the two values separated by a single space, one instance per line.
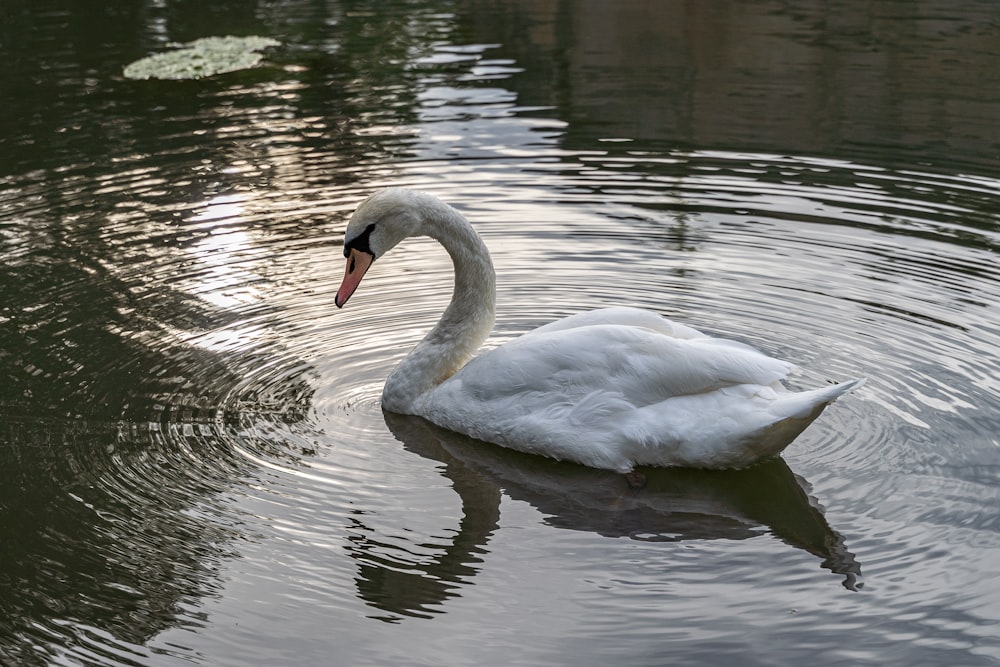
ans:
x=202 y=57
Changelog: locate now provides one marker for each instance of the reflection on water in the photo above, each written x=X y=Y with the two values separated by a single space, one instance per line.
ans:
x=903 y=83
x=194 y=467
x=674 y=506
x=105 y=535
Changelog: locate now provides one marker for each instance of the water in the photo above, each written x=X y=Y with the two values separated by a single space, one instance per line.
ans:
x=195 y=467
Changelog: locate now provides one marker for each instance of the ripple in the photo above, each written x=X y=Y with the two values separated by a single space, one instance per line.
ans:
x=819 y=302
x=193 y=435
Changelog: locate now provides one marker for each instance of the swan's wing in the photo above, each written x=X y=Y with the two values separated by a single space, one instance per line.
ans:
x=639 y=365
x=611 y=395
x=622 y=315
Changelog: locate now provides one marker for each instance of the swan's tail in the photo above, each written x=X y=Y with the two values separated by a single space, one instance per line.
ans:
x=827 y=395
x=793 y=412
x=808 y=404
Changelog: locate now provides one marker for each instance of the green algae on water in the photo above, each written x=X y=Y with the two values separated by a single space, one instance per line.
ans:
x=202 y=57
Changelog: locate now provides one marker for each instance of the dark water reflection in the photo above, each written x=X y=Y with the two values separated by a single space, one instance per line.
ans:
x=673 y=506
x=897 y=82
x=193 y=464
x=105 y=539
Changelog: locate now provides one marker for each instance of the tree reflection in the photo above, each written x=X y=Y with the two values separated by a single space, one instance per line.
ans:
x=818 y=78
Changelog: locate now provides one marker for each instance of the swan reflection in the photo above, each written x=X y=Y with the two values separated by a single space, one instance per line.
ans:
x=675 y=505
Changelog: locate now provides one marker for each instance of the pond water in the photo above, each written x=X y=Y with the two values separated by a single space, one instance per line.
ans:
x=194 y=466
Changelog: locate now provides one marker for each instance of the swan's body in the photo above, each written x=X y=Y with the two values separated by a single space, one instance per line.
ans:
x=613 y=388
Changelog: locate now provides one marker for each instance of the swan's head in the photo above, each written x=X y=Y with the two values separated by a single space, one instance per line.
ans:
x=379 y=223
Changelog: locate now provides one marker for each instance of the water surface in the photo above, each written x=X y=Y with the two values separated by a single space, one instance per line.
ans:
x=195 y=466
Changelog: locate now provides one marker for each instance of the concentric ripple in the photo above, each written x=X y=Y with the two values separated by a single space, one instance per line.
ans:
x=228 y=358
x=196 y=467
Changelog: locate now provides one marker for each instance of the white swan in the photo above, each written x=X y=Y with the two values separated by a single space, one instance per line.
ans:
x=613 y=388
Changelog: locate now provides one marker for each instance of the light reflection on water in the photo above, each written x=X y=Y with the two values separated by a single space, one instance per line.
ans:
x=196 y=465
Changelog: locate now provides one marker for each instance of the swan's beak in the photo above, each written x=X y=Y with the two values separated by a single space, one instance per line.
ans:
x=358 y=262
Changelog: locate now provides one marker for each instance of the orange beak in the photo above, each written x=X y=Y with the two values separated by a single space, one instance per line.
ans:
x=358 y=262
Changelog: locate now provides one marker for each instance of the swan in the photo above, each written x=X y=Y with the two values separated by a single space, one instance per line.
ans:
x=613 y=388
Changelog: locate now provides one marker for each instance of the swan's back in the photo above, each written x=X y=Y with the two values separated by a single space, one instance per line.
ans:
x=620 y=387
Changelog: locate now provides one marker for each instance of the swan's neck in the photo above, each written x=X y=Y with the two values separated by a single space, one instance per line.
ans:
x=465 y=323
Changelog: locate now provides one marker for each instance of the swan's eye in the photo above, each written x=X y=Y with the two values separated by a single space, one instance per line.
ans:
x=360 y=242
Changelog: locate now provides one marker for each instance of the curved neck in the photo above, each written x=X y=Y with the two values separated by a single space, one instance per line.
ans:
x=466 y=322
